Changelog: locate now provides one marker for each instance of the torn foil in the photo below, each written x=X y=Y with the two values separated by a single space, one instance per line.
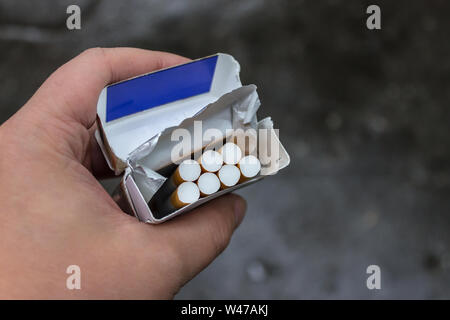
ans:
x=227 y=112
x=244 y=111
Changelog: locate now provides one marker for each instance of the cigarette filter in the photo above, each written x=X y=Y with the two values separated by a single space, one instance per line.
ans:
x=229 y=176
x=188 y=170
x=231 y=153
x=208 y=183
x=186 y=193
x=210 y=161
x=249 y=166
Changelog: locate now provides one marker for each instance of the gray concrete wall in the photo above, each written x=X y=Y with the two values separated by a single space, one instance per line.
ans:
x=364 y=114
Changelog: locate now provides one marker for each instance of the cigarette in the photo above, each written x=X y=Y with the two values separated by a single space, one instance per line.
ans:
x=208 y=183
x=188 y=170
x=186 y=193
x=249 y=166
x=229 y=176
x=231 y=153
x=210 y=161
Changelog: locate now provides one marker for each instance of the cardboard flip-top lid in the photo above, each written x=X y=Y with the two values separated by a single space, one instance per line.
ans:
x=132 y=111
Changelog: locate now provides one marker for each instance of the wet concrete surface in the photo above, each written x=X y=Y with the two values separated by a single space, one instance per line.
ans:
x=364 y=115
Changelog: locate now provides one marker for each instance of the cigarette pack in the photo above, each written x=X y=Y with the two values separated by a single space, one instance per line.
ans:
x=148 y=123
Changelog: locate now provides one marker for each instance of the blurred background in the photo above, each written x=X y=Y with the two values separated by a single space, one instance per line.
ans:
x=364 y=115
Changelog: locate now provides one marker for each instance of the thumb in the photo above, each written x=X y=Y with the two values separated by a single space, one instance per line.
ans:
x=198 y=237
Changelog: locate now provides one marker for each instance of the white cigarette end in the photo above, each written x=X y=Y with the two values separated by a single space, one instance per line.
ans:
x=229 y=175
x=208 y=183
x=188 y=192
x=211 y=161
x=189 y=170
x=231 y=153
x=249 y=166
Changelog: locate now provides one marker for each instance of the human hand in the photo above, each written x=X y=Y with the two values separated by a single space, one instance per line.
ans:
x=55 y=213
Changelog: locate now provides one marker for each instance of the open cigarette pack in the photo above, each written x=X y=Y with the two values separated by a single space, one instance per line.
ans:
x=151 y=125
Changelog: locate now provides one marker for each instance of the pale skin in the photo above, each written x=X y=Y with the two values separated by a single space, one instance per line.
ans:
x=54 y=212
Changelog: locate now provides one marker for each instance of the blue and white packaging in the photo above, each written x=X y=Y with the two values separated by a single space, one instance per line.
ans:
x=136 y=119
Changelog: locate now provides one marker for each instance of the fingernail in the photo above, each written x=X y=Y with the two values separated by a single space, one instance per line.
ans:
x=239 y=210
